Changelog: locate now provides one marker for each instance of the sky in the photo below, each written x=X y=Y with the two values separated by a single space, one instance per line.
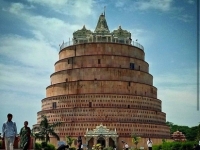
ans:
x=32 y=30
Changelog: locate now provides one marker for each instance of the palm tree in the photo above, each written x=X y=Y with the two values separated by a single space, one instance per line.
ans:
x=135 y=139
x=45 y=129
x=69 y=140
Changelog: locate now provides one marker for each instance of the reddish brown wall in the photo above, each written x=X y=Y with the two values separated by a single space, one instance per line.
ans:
x=93 y=83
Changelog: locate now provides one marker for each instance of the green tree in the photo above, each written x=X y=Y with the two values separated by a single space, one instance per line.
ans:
x=198 y=133
x=69 y=140
x=45 y=129
x=189 y=132
x=135 y=139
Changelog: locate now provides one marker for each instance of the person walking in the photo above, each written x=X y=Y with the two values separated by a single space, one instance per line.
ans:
x=79 y=143
x=126 y=146
x=9 y=131
x=149 y=144
x=25 y=134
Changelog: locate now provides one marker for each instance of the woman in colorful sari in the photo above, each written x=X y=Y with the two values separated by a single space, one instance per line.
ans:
x=25 y=133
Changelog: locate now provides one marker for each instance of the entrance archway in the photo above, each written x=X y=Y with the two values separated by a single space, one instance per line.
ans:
x=102 y=141
x=101 y=134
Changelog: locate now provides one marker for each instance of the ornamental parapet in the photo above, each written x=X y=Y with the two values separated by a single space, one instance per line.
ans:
x=125 y=41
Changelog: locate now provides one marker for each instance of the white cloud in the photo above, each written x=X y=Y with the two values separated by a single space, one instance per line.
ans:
x=78 y=8
x=163 y=5
x=120 y=3
x=175 y=80
x=179 y=95
x=143 y=36
x=180 y=104
x=51 y=3
x=27 y=51
x=28 y=64
x=190 y=1
x=16 y=8
x=185 y=18
x=44 y=28
x=184 y=95
x=23 y=79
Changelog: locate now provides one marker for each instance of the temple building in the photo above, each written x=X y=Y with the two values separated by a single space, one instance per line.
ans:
x=178 y=136
x=102 y=90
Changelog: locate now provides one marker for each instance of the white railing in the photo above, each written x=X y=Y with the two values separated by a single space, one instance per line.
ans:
x=66 y=44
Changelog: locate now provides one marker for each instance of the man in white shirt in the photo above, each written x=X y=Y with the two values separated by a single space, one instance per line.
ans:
x=9 y=131
x=149 y=144
x=126 y=146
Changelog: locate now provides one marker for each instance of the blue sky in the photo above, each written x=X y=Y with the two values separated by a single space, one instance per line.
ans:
x=31 y=31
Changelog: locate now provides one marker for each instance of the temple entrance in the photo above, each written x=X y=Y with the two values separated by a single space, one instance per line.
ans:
x=101 y=135
x=101 y=141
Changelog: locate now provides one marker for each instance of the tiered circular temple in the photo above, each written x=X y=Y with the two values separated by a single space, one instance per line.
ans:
x=102 y=77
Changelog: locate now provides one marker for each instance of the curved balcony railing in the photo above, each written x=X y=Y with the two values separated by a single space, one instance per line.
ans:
x=133 y=43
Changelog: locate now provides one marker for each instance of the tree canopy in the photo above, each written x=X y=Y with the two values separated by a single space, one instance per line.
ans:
x=69 y=140
x=135 y=139
x=189 y=132
x=45 y=129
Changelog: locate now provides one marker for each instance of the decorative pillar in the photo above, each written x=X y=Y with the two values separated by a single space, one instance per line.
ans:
x=86 y=140
x=95 y=140
x=115 y=141
x=107 y=142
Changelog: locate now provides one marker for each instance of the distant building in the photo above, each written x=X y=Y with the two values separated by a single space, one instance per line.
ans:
x=102 y=90
x=178 y=136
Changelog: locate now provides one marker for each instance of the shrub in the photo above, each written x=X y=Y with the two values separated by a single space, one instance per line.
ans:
x=50 y=147
x=176 y=146
x=38 y=146
x=187 y=145
x=44 y=144
x=72 y=148
x=167 y=146
x=157 y=147
x=108 y=148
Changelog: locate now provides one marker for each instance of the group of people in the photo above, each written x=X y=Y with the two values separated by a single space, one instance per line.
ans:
x=149 y=144
x=9 y=131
